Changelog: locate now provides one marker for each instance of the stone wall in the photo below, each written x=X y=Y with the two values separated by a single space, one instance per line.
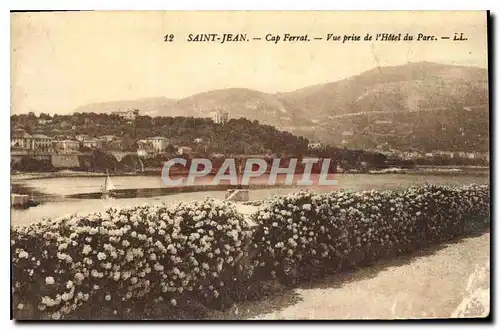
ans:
x=65 y=161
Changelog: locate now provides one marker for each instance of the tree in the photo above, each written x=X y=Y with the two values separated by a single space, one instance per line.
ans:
x=170 y=148
x=128 y=143
x=103 y=161
x=85 y=149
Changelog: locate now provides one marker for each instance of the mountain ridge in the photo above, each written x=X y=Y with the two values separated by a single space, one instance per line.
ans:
x=314 y=111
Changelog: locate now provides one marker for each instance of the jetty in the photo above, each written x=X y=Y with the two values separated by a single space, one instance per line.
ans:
x=21 y=201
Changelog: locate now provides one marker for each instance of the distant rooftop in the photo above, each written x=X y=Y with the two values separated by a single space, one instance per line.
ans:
x=157 y=138
x=21 y=134
x=66 y=141
x=41 y=136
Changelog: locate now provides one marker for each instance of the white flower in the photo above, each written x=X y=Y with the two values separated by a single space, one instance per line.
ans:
x=49 y=280
x=20 y=306
x=67 y=296
x=69 y=284
x=23 y=254
x=107 y=297
x=116 y=276
x=86 y=249
x=63 y=246
x=173 y=302
x=56 y=316
x=101 y=256
x=79 y=277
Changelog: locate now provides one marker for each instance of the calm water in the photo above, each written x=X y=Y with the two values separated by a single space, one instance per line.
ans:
x=61 y=196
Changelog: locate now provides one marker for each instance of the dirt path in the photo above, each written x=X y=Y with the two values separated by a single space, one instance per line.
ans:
x=428 y=284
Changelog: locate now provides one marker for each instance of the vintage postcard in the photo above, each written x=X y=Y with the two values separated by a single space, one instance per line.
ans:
x=250 y=165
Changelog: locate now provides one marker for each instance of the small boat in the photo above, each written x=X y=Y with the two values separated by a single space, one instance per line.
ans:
x=108 y=190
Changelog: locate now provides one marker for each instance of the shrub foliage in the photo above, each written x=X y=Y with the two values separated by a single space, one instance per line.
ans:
x=305 y=233
x=129 y=262
x=121 y=257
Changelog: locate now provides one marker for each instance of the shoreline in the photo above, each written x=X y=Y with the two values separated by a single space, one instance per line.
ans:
x=424 y=169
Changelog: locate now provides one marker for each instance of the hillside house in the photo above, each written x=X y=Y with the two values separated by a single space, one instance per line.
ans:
x=145 y=148
x=82 y=137
x=66 y=146
x=159 y=143
x=20 y=140
x=446 y=154
x=410 y=155
x=315 y=146
x=130 y=114
x=184 y=150
x=93 y=143
x=43 y=121
x=220 y=117
x=114 y=144
x=35 y=142
x=107 y=138
x=41 y=142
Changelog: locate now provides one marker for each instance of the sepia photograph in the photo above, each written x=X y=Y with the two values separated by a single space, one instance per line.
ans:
x=250 y=165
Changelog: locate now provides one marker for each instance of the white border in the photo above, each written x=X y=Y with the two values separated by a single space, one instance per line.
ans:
x=183 y=5
x=249 y=5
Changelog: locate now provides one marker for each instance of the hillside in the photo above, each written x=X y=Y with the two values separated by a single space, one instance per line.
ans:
x=407 y=87
x=148 y=106
x=239 y=102
x=421 y=105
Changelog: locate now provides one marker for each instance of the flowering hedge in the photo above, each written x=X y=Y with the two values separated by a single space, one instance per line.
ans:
x=304 y=234
x=115 y=258
x=169 y=259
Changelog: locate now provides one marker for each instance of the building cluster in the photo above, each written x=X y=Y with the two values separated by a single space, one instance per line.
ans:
x=25 y=143
x=415 y=154
x=459 y=154
x=153 y=146
x=38 y=143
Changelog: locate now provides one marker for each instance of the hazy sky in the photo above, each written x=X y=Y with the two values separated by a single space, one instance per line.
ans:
x=64 y=60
